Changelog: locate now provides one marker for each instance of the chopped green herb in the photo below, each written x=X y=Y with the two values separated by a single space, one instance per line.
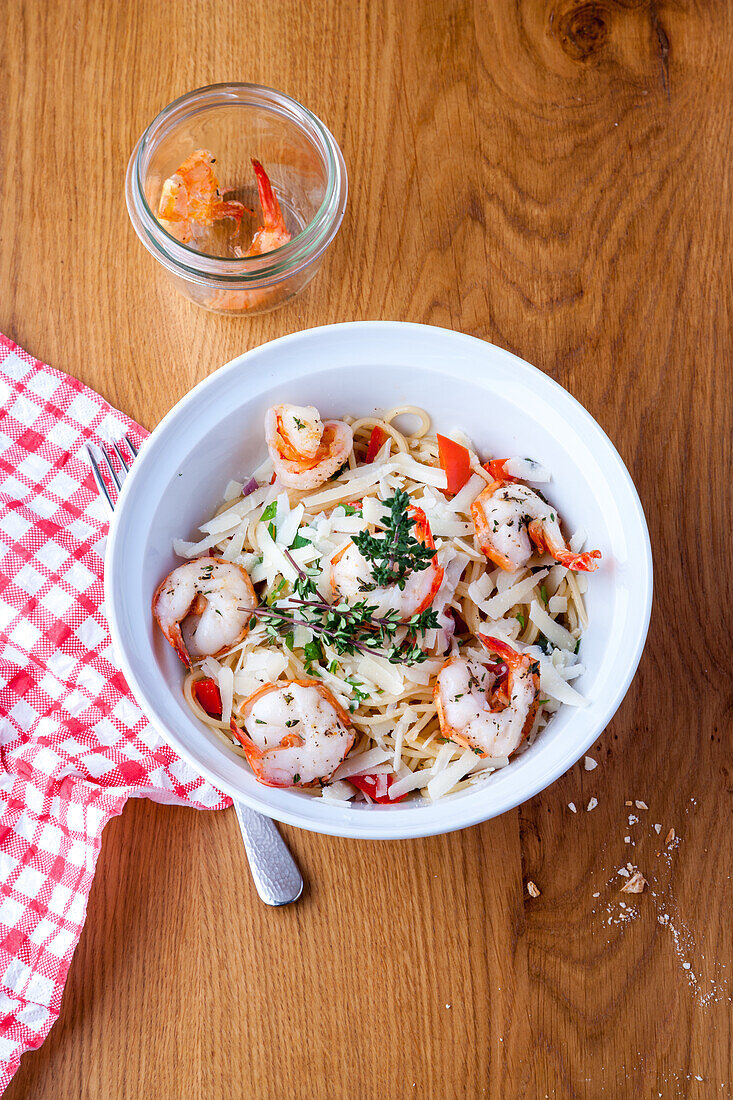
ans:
x=333 y=667
x=298 y=424
x=290 y=640
x=351 y=509
x=544 y=644
x=543 y=594
x=577 y=646
x=292 y=722
x=337 y=475
x=269 y=512
x=313 y=652
x=520 y=619
x=543 y=701
x=299 y=542
x=296 y=778
x=397 y=553
x=276 y=591
x=359 y=694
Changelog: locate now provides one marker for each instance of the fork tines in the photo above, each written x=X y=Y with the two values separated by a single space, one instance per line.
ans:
x=111 y=490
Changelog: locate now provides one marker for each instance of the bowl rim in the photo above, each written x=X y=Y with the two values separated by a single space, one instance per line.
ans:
x=357 y=826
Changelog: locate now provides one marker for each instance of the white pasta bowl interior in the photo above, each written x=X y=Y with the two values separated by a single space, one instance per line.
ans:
x=507 y=407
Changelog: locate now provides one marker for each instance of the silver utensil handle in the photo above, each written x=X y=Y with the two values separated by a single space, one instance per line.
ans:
x=274 y=870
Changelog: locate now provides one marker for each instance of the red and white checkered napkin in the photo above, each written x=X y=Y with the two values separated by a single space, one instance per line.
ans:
x=74 y=746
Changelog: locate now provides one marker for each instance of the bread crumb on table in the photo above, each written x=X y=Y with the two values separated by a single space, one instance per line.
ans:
x=635 y=884
x=532 y=889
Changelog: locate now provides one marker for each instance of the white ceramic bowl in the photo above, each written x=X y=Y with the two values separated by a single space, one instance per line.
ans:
x=508 y=407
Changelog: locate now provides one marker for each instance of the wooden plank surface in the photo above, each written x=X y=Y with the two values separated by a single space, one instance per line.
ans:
x=554 y=176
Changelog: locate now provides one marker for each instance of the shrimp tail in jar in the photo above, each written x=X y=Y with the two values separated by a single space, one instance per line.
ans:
x=272 y=233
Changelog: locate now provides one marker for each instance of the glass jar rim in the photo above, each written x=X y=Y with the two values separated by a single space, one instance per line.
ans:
x=282 y=262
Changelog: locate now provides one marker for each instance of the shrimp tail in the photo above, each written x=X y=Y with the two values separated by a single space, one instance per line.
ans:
x=172 y=632
x=423 y=534
x=515 y=662
x=230 y=209
x=271 y=212
x=582 y=563
x=253 y=753
x=504 y=650
x=176 y=640
x=255 y=756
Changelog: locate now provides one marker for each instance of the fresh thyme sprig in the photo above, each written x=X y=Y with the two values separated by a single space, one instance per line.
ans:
x=397 y=553
x=347 y=628
x=353 y=629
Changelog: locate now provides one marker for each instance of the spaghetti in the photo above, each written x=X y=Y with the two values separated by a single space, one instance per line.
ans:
x=281 y=535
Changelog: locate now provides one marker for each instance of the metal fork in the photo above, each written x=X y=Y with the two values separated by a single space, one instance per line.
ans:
x=275 y=872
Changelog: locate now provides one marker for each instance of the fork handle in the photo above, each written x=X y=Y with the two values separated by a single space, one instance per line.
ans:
x=275 y=872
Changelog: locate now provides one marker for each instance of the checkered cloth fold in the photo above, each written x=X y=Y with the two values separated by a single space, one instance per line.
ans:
x=74 y=745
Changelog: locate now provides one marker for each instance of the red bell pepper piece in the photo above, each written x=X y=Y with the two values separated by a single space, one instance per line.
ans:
x=368 y=784
x=207 y=695
x=456 y=461
x=376 y=441
x=497 y=471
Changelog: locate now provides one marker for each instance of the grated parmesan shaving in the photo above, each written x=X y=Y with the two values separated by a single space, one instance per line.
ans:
x=552 y=630
x=364 y=762
x=226 y=690
x=498 y=605
x=454 y=773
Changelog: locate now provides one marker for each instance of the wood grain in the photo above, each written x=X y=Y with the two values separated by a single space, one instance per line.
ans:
x=552 y=175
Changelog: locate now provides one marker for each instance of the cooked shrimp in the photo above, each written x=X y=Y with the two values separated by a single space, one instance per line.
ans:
x=191 y=197
x=304 y=450
x=295 y=733
x=510 y=517
x=273 y=233
x=352 y=578
x=203 y=607
x=482 y=709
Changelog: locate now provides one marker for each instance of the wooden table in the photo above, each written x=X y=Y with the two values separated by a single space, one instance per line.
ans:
x=553 y=176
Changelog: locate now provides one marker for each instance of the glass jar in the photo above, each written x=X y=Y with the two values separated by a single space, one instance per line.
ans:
x=237 y=122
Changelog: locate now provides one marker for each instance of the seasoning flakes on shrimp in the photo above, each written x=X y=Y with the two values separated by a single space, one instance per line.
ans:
x=373 y=598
